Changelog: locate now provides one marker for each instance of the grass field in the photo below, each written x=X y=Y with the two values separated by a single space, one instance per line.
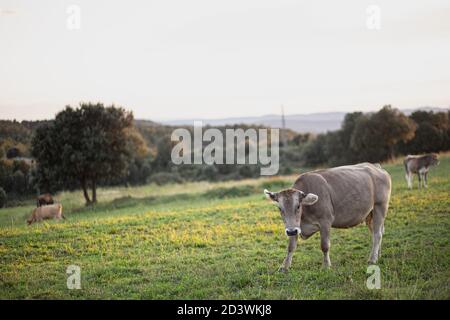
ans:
x=222 y=241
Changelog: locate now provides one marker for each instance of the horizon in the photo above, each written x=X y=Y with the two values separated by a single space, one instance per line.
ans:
x=168 y=120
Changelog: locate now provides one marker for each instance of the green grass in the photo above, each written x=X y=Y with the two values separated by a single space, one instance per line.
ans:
x=222 y=241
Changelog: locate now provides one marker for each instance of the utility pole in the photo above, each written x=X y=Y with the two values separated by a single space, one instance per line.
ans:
x=283 y=128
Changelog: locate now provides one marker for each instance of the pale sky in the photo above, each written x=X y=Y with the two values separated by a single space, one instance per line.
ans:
x=175 y=59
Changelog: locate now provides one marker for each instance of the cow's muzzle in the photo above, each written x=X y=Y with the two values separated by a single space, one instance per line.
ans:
x=293 y=232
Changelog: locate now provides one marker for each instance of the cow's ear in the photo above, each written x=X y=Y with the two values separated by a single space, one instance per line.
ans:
x=271 y=195
x=310 y=199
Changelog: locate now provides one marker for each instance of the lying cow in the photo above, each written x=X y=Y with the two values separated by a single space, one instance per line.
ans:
x=44 y=199
x=341 y=197
x=420 y=166
x=52 y=211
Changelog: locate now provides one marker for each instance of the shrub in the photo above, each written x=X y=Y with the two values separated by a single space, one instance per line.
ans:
x=208 y=172
x=161 y=178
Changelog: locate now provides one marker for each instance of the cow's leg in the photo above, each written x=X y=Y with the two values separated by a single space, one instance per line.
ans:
x=382 y=234
x=420 y=179
x=379 y=213
x=425 y=179
x=325 y=245
x=411 y=180
x=290 y=252
x=408 y=177
x=369 y=221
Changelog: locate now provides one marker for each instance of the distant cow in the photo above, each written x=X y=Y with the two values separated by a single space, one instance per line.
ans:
x=52 y=211
x=341 y=197
x=44 y=199
x=419 y=165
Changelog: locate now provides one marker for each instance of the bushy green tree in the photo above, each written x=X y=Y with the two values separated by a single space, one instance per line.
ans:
x=88 y=145
x=15 y=178
x=375 y=135
x=369 y=137
x=345 y=154
x=431 y=135
x=163 y=159
x=314 y=152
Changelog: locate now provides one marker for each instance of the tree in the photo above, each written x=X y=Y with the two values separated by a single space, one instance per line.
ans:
x=347 y=156
x=334 y=149
x=431 y=134
x=314 y=151
x=163 y=158
x=88 y=145
x=447 y=134
x=375 y=135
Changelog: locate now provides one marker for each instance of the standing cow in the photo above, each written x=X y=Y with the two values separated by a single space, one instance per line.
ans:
x=45 y=199
x=419 y=165
x=341 y=197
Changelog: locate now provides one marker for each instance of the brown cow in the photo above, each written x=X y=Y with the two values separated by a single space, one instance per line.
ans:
x=419 y=165
x=46 y=212
x=44 y=199
x=341 y=197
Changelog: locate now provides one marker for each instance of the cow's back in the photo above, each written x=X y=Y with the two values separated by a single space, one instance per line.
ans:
x=414 y=164
x=49 y=211
x=350 y=191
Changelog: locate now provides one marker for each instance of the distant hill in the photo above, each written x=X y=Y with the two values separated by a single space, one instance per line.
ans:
x=312 y=122
x=315 y=122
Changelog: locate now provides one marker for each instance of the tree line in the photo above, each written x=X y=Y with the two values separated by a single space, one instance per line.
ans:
x=95 y=145
x=380 y=136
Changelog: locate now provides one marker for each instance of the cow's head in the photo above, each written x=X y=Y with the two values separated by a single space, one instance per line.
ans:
x=290 y=203
x=434 y=160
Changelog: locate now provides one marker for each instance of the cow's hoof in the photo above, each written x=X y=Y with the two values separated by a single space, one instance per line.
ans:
x=282 y=269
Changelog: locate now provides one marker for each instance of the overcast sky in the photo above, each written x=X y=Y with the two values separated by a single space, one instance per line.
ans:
x=172 y=59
